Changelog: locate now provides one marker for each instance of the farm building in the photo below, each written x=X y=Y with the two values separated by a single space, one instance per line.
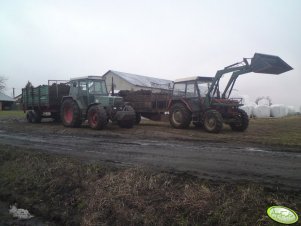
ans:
x=6 y=102
x=132 y=82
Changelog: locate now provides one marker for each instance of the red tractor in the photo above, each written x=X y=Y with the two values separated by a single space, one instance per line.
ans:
x=199 y=99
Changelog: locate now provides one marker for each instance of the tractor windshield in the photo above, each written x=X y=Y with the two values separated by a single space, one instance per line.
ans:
x=97 y=87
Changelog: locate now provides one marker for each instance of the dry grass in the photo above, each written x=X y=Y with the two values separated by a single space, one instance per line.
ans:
x=70 y=192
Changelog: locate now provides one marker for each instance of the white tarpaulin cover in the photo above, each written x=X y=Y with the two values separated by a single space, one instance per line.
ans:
x=278 y=110
x=261 y=111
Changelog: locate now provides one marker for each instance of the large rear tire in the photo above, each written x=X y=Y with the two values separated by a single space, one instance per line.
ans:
x=130 y=122
x=179 y=116
x=213 y=121
x=70 y=113
x=97 y=117
x=242 y=121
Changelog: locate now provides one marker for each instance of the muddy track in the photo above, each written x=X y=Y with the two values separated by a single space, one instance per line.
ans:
x=214 y=161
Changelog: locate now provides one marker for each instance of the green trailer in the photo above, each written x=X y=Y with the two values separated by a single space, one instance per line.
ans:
x=44 y=101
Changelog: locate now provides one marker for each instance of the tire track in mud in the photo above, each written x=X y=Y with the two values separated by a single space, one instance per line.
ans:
x=216 y=161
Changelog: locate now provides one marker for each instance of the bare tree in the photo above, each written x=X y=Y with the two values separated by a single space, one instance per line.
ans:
x=2 y=83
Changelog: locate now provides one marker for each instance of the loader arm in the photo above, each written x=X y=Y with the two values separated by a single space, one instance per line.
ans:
x=260 y=63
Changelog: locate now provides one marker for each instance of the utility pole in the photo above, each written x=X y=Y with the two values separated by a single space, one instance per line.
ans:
x=13 y=92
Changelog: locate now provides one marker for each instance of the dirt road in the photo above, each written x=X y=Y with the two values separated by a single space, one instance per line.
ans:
x=216 y=161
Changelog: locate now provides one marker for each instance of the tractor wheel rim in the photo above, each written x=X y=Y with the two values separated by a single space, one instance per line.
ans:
x=68 y=114
x=94 y=119
x=177 y=117
x=211 y=123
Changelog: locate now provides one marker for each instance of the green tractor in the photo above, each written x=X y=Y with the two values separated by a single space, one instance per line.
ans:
x=199 y=99
x=75 y=101
x=88 y=99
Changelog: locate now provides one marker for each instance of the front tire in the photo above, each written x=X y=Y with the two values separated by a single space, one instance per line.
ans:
x=97 y=117
x=129 y=123
x=213 y=121
x=70 y=113
x=179 y=116
x=242 y=121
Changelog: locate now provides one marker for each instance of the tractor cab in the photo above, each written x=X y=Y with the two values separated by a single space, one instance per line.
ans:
x=91 y=90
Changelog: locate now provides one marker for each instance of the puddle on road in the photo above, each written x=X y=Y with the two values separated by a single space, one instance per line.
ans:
x=256 y=150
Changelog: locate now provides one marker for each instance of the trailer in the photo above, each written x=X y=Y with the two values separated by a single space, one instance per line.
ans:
x=44 y=101
x=147 y=103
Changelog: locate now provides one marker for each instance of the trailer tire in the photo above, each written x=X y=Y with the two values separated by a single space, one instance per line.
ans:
x=70 y=113
x=36 y=116
x=242 y=121
x=138 y=118
x=179 y=116
x=33 y=117
x=56 y=116
x=97 y=117
x=127 y=123
x=213 y=121
x=29 y=116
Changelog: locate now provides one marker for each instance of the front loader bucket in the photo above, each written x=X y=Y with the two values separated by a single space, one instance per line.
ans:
x=268 y=64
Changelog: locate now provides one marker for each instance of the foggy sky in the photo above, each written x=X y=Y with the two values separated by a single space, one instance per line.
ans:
x=170 y=39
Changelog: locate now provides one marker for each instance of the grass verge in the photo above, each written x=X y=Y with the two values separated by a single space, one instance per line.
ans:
x=70 y=192
x=12 y=114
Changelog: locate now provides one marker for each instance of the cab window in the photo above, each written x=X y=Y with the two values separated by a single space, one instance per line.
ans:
x=191 y=90
x=179 y=89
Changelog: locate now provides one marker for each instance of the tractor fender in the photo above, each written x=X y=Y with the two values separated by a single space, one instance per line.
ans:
x=91 y=105
x=65 y=98
x=172 y=102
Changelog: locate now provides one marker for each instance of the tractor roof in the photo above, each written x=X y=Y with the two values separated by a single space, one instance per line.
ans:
x=195 y=78
x=87 y=77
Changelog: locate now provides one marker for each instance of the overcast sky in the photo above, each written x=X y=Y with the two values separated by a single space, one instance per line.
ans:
x=41 y=40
